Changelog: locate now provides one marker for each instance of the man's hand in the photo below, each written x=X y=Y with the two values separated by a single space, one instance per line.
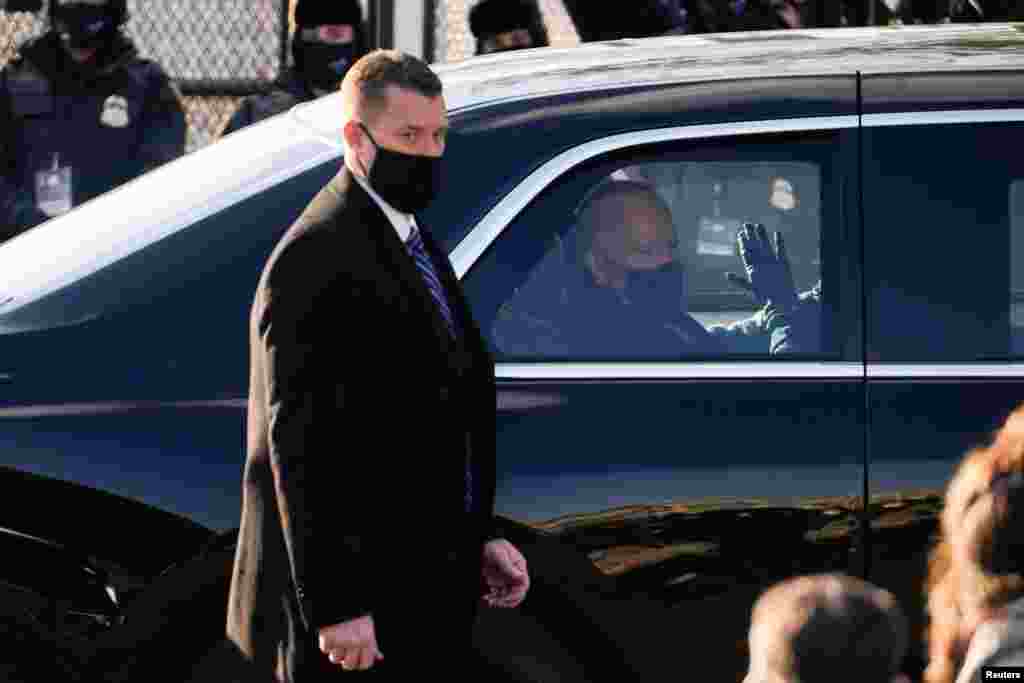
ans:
x=352 y=644
x=505 y=571
x=768 y=274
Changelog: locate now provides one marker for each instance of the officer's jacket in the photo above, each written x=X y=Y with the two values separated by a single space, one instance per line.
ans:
x=289 y=89
x=109 y=124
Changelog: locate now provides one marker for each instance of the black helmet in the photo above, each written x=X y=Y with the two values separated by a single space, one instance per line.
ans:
x=87 y=23
x=22 y=6
x=491 y=18
x=320 y=12
x=116 y=10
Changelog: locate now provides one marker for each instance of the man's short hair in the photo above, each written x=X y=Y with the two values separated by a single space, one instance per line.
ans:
x=826 y=627
x=589 y=216
x=373 y=73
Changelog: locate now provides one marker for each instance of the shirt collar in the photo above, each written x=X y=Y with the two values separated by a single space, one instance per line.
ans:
x=402 y=222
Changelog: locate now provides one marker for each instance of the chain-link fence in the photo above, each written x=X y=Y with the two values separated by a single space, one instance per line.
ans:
x=220 y=50
x=216 y=50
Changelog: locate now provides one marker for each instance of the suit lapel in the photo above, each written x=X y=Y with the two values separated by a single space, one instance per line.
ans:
x=394 y=255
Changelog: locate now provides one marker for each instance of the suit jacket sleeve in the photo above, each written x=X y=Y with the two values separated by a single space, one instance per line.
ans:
x=311 y=418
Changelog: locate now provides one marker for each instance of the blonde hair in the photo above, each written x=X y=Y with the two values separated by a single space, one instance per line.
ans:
x=826 y=627
x=974 y=567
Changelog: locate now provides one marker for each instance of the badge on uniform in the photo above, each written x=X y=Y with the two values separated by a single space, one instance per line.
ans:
x=115 y=112
x=54 y=189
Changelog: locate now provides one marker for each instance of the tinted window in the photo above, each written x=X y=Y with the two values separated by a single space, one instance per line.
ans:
x=942 y=212
x=171 y=320
x=660 y=244
x=1017 y=264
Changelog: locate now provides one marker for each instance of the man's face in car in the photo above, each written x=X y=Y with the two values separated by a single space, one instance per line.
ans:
x=635 y=233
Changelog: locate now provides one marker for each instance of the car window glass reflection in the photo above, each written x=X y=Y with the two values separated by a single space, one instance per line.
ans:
x=636 y=270
x=1017 y=264
x=941 y=287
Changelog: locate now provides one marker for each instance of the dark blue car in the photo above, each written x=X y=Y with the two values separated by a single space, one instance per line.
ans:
x=654 y=496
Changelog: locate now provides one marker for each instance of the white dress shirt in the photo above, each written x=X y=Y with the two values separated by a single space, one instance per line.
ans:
x=402 y=222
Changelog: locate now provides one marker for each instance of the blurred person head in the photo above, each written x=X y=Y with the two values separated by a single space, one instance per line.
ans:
x=502 y=25
x=977 y=566
x=395 y=127
x=826 y=628
x=328 y=37
x=87 y=27
x=783 y=196
x=627 y=242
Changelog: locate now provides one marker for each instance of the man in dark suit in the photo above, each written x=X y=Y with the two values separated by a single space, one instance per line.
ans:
x=367 y=518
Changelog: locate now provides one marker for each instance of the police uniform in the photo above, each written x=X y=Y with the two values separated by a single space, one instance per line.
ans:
x=72 y=132
x=319 y=67
x=289 y=89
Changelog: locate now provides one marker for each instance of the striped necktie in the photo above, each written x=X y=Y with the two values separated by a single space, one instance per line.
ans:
x=415 y=247
x=418 y=252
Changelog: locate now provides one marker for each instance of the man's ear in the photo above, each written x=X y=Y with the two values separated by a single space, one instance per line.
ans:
x=351 y=133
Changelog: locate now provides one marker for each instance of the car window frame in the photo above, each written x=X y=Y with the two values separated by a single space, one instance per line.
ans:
x=472 y=248
x=882 y=369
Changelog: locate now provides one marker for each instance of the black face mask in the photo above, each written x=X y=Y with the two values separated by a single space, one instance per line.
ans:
x=406 y=181
x=83 y=27
x=659 y=293
x=324 y=66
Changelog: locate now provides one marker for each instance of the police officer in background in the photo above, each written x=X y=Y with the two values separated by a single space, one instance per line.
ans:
x=500 y=25
x=328 y=38
x=80 y=113
x=969 y=11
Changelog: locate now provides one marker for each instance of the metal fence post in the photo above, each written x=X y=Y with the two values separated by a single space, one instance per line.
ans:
x=429 y=31
x=285 y=42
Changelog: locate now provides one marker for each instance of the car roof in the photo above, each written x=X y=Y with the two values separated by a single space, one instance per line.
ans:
x=522 y=74
x=40 y=263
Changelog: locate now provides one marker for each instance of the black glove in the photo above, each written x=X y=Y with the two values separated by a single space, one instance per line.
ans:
x=768 y=274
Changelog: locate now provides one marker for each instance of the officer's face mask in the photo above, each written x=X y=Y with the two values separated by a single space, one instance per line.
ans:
x=324 y=66
x=409 y=182
x=325 y=53
x=83 y=27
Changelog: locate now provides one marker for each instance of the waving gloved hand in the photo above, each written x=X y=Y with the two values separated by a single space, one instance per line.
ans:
x=769 y=277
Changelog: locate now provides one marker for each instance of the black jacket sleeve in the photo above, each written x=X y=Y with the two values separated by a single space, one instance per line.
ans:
x=18 y=210
x=317 y=431
x=164 y=128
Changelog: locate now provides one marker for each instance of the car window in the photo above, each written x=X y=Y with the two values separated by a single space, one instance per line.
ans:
x=170 y=320
x=1017 y=264
x=944 y=260
x=625 y=257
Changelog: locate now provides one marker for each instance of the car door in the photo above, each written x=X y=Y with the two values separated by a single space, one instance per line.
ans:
x=944 y=271
x=687 y=480
x=141 y=390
